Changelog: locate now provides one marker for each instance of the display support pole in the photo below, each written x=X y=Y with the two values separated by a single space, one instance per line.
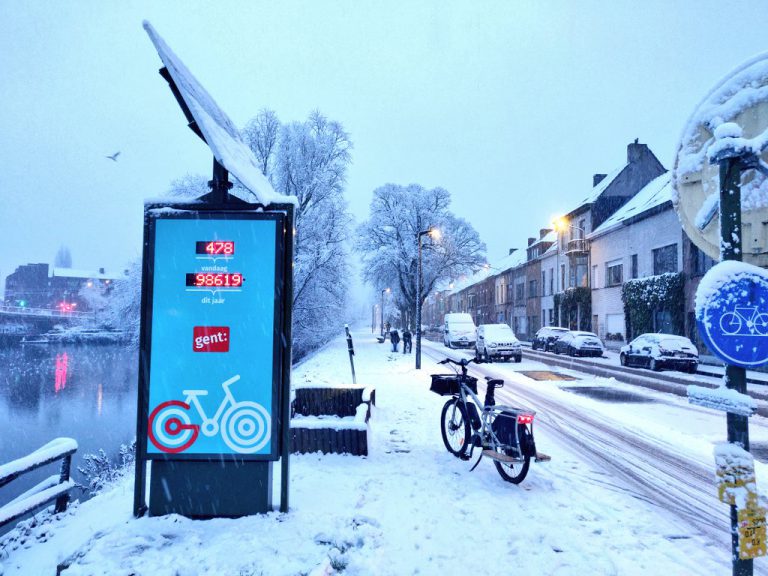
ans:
x=735 y=376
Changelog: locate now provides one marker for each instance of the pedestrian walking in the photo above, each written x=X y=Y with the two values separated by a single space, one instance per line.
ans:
x=406 y=341
x=394 y=337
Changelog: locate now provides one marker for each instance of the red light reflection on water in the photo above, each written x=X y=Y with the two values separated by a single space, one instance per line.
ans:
x=62 y=362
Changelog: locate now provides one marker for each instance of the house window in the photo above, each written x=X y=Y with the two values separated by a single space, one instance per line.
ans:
x=595 y=282
x=510 y=295
x=562 y=277
x=551 y=280
x=700 y=262
x=665 y=260
x=633 y=266
x=543 y=283
x=519 y=291
x=614 y=274
x=532 y=289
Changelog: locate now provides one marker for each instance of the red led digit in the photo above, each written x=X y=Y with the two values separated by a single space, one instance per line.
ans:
x=237 y=279
x=199 y=279
x=229 y=247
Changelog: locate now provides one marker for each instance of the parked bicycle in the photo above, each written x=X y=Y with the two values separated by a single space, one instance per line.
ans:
x=504 y=433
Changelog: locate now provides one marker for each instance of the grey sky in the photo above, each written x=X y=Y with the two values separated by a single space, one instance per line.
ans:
x=511 y=106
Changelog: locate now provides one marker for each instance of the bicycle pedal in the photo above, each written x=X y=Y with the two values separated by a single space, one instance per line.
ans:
x=464 y=457
x=542 y=457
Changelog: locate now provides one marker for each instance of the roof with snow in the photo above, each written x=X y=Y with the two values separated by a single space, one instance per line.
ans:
x=654 y=194
x=100 y=274
x=508 y=262
x=600 y=188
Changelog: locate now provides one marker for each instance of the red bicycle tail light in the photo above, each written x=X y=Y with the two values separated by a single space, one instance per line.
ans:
x=525 y=418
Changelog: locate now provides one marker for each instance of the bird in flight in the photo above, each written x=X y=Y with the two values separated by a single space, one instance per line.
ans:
x=114 y=156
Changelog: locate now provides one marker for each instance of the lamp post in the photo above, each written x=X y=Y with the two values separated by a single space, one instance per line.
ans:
x=384 y=291
x=435 y=234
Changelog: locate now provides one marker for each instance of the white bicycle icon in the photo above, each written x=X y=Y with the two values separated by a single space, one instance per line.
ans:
x=745 y=318
x=244 y=426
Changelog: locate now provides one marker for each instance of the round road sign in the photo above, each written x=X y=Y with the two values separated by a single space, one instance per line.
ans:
x=740 y=98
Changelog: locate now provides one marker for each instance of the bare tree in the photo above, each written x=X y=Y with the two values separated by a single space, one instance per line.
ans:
x=388 y=241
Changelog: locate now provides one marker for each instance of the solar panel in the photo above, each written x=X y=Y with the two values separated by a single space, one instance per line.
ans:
x=213 y=125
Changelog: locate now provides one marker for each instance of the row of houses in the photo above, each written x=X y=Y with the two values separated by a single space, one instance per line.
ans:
x=618 y=264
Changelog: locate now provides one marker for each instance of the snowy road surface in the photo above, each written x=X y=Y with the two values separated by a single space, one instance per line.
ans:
x=629 y=490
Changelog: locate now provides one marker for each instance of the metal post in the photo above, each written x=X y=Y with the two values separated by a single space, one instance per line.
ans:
x=418 y=304
x=735 y=376
x=351 y=350
x=382 y=312
x=61 y=501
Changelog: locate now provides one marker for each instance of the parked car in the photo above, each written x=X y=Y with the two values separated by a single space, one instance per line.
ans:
x=575 y=343
x=657 y=351
x=459 y=330
x=546 y=337
x=497 y=341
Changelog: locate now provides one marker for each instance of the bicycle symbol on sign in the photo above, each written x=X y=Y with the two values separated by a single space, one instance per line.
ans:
x=244 y=426
x=744 y=321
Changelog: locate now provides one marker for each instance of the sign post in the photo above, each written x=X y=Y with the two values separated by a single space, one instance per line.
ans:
x=718 y=162
x=215 y=342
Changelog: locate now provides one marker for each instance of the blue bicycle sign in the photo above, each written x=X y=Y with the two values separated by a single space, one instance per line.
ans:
x=732 y=313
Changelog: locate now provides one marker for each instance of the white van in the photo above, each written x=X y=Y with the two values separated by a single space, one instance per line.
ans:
x=459 y=331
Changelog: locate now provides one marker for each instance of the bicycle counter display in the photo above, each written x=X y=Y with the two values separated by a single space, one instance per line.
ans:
x=213 y=291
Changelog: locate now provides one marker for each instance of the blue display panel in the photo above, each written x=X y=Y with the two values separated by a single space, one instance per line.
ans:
x=212 y=385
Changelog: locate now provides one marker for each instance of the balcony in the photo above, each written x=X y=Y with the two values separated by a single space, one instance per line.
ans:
x=577 y=246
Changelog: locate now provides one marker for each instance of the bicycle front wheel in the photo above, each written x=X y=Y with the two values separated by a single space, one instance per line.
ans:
x=455 y=427
x=515 y=472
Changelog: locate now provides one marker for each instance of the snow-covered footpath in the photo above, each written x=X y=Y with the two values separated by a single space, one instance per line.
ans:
x=408 y=508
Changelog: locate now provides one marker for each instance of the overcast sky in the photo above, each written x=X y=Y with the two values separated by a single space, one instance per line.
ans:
x=511 y=106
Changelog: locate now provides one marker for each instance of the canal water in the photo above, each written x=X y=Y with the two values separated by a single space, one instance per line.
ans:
x=85 y=392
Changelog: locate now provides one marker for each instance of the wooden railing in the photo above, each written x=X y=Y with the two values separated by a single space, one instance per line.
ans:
x=55 y=487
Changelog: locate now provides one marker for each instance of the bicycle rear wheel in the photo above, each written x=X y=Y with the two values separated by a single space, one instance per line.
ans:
x=454 y=426
x=515 y=472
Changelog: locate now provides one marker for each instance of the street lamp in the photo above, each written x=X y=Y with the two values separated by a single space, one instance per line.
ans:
x=384 y=291
x=435 y=235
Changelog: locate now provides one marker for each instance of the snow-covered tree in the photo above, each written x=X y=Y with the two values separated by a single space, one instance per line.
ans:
x=388 y=242
x=304 y=159
x=309 y=160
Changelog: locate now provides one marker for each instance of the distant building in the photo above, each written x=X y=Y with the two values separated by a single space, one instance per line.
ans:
x=40 y=286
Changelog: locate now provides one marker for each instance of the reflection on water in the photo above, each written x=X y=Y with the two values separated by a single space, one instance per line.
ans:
x=83 y=392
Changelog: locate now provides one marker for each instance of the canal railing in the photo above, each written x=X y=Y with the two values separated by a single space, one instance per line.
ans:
x=55 y=487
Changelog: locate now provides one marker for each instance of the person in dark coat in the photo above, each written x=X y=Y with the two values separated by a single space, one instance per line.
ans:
x=407 y=341
x=394 y=337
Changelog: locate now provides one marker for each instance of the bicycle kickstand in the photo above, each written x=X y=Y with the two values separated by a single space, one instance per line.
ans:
x=476 y=441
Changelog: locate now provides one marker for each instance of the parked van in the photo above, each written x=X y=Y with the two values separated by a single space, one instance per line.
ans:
x=459 y=331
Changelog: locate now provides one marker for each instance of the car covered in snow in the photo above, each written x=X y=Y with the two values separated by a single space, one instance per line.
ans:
x=546 y=337
x=497 y=342
x=577 y=343
x=459 y=330
x=657 y=351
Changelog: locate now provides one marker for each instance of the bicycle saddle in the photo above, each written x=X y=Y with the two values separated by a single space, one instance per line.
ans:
x=495 y=382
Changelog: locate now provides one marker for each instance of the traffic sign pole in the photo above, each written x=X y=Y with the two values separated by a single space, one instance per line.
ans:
x=735 y=376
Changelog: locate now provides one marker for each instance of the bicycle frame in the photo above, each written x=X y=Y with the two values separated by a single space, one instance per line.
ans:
x=488 y=414
x=210 y=426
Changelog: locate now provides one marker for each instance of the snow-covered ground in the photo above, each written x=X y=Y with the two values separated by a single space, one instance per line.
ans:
x=410 y=507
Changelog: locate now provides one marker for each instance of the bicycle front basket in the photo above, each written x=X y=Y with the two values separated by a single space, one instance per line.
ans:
x=447 y=384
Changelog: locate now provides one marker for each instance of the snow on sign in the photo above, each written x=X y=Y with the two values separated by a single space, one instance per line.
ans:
x=738 y=104
x=732 y=313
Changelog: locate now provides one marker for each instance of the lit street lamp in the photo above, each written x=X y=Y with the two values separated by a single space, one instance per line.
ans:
x=384 y=291
x=435 y=235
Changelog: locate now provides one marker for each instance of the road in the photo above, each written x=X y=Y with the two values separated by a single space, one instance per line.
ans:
x=662 y=469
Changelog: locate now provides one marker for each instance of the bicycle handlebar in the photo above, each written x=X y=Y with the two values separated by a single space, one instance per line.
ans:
x=464 y=362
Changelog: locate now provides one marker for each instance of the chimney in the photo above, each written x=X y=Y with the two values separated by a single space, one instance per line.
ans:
x=635 y=151
x=597 y=178
x=543 y=232
x=531 y=241
x=511 y=250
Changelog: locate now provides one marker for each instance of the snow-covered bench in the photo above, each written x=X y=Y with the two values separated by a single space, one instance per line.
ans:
x=331 y=419
x=55 y=487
